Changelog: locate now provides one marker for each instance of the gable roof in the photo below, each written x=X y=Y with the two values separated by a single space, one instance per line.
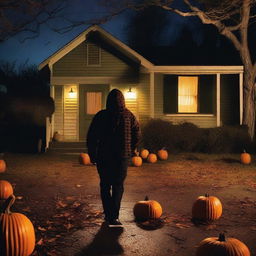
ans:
x=83 y=36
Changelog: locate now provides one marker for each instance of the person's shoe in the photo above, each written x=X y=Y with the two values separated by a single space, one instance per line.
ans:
x=115 y=223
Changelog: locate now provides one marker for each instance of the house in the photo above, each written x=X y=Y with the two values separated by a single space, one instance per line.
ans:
x=87 y=68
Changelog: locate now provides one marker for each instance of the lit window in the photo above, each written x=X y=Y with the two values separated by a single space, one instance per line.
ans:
x=187 y=94
x=93 y=55
x=93 y=100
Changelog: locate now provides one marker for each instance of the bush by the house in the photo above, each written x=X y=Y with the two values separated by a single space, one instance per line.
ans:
x=187 y=137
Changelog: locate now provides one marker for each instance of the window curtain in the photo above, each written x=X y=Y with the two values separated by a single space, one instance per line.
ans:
x=93 y=100
x=187 y=94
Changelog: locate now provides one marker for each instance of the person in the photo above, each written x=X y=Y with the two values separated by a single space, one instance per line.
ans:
x=112 y=138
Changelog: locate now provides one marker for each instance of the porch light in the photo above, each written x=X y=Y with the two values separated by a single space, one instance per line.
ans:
x=130 y=95
x=71 y=93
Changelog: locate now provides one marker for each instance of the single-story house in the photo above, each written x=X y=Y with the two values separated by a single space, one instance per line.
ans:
x=87 y=68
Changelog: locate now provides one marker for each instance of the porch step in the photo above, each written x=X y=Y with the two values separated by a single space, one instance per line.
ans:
x=67 y=147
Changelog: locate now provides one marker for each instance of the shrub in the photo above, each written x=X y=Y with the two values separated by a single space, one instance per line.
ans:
x=187 y=137
x=228 y=139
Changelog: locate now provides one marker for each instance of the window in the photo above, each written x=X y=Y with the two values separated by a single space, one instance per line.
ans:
x=93 y=55
x=93 y=100
x=187 y=94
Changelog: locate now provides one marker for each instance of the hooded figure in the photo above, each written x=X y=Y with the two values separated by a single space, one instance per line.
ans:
x=111 y=140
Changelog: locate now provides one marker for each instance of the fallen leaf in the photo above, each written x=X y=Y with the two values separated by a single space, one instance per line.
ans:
x=61 y=204
x=66 y=214
x=70 y=198
x=76 y=204
x=40 y=242
x=78 y=185
x=51 y=240
x=41 y=229
x=68 y=226
x=26 y=209
x=180 y=225
x=19 y=197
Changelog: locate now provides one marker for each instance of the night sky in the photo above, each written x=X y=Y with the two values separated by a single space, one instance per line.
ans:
x=34 y=51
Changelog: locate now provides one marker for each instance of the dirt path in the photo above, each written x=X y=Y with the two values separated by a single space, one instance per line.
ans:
x=61 y=197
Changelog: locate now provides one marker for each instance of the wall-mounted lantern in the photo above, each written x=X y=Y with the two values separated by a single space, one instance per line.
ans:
x=130 y=95
x=71 y=93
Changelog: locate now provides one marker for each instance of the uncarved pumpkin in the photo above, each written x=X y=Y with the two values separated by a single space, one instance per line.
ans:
x=221 y=246
x=162 y=154
x=144 y=153
x=152 y=158
x=84 y=159
x=56 y=136
x=245 y=158
x=147 y=209
x=5 y=189
x=207 y=208
x=2 y=165
x=137 y=161
x=17 y=234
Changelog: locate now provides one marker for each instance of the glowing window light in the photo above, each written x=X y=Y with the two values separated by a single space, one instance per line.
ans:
x=130 y=95
x=187 y=94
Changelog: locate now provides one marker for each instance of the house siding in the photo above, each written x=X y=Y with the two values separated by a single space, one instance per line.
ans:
x=70 y=128
x=74 y=64
x=143 y=98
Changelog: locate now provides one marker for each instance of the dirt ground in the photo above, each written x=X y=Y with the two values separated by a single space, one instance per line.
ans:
x=61 y=198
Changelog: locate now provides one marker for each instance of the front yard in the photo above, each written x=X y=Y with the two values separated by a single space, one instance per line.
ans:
x=61 y=197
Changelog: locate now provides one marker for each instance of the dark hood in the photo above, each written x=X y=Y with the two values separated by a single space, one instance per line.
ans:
x=115 y=101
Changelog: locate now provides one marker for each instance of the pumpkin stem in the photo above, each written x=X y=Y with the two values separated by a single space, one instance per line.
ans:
x=7 y=204
x=222 y=237
x=244 y=151
x=146 y=198
x=207 y=195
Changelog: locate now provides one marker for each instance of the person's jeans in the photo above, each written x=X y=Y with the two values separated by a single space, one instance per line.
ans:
x=112 y=173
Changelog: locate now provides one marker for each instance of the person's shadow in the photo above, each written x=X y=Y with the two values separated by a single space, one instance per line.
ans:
x=105 y=242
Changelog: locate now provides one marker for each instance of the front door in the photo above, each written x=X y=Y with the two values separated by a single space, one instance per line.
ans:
x=92 y=98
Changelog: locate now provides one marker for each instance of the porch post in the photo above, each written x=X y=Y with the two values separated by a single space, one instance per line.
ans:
x=218 y=100
x=241 y=96
x=152 y=94
x=52 y=94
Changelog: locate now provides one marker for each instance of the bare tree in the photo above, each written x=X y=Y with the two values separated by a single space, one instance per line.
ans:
x=26 y=16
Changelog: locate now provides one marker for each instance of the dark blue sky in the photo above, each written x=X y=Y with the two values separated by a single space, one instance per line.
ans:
x=36 y=50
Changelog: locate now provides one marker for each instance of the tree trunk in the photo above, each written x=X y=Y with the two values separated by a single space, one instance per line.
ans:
x=249 y=103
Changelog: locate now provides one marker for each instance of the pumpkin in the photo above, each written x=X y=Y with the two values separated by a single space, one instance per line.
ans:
x=152 y=158
x=5 y=189
x=56 y=136
x=207 y=208
x=137 y=160
x=245 y=158
x=17 y=234
x=144 y=153
x=84 y=159
x=2 y=165
x=147 y=209
x=222 y=246
x=162 y=154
